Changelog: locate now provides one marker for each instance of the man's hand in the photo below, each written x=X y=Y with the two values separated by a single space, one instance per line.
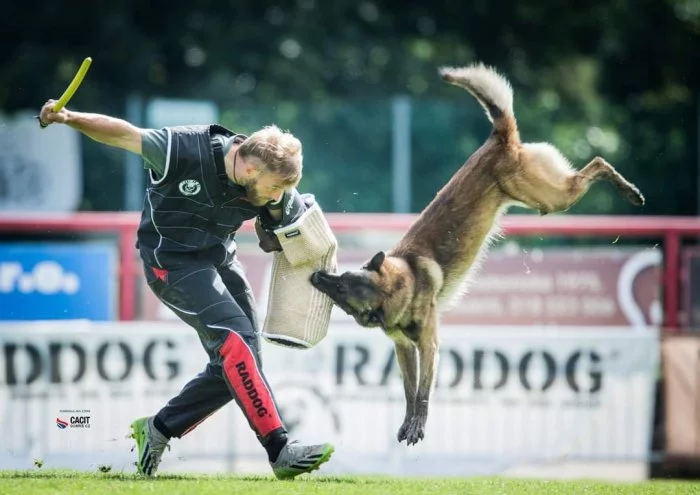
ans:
x=290 y=209
x=268 y=239
x=48 y=116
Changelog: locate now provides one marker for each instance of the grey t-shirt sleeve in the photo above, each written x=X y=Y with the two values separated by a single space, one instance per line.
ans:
x=154 y=149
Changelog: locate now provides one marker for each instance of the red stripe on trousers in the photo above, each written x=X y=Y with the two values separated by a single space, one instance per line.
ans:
x=197 y=424
x=248 y=385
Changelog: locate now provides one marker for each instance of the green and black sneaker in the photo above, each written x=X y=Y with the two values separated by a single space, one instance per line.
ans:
x=295 y=459
x=150 y=444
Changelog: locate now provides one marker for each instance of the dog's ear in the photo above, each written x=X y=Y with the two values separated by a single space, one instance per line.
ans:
x=375 y=263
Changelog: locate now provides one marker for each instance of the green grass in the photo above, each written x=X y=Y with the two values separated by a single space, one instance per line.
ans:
x=61 y=482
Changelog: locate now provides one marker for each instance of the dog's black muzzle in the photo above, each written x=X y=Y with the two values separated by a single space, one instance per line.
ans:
x=330 y=285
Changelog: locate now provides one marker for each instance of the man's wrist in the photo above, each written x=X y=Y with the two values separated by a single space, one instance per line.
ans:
x=70 y=117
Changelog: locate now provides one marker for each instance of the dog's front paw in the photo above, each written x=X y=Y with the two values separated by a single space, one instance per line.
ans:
x=403 y=431
x=412 y=430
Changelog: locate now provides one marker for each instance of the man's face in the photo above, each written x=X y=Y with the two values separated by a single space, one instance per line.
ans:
x=264 y=188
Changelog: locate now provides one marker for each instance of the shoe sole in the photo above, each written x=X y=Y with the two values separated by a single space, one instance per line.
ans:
x=325 y=457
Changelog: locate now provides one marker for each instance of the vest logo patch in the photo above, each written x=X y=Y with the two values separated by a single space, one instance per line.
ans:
x=190 y=187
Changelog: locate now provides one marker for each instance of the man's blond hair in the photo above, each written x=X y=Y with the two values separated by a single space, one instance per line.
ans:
x=278 y=150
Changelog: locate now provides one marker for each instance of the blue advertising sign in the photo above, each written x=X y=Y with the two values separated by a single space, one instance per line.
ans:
x=58 y=281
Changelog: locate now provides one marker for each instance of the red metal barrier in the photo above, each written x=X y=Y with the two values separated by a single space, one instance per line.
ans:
x=669 y=230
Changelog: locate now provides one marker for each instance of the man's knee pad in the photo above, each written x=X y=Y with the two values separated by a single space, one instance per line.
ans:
x=243 y=372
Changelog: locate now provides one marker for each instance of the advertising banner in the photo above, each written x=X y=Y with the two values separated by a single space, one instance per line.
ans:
x=58 y=281
x=504 y=397
x=579 y=287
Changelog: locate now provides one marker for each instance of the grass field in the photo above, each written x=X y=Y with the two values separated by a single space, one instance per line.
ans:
x=56 y=482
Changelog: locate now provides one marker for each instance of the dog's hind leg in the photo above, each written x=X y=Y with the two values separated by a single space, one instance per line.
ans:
x=598 y=168
x=547 y=183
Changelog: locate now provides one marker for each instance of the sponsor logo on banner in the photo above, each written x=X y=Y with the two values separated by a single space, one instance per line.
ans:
x=31 y=365
x=464 y=372
x=554 y=286
x=47 y=277
x=57 y=281
x=79 y=418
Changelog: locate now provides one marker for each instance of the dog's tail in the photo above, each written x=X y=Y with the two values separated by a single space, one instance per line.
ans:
x=492 y=90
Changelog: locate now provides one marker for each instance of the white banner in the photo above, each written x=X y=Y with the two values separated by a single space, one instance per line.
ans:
x=505 y=397
x=40 y=169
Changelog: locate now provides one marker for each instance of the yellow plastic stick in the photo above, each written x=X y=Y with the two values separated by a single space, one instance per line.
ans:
x=73 y=86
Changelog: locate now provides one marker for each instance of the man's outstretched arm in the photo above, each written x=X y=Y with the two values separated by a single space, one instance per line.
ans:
x=102 y=128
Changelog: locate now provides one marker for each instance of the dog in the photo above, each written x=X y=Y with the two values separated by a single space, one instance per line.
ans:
x=404 y=290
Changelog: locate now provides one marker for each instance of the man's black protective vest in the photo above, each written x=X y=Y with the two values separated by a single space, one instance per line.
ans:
x=192 y=209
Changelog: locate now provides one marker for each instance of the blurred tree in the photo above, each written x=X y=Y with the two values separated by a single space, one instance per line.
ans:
x=612 y=77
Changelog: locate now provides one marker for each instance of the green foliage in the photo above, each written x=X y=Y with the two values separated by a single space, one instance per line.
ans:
x=618 y=78
x=347 y=153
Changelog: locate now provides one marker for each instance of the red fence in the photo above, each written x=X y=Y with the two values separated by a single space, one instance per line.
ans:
x=670 y=231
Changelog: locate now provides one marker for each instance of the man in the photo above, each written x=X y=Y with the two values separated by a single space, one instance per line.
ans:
x=205 y=181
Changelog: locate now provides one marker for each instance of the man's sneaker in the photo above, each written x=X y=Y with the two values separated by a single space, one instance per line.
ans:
x=150 y=444
x=295 y=459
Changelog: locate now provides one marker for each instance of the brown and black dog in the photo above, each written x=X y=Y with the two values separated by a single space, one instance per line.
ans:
x=404 y=290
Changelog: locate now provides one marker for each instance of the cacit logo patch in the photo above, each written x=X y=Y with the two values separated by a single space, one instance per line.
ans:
x=190 y=187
